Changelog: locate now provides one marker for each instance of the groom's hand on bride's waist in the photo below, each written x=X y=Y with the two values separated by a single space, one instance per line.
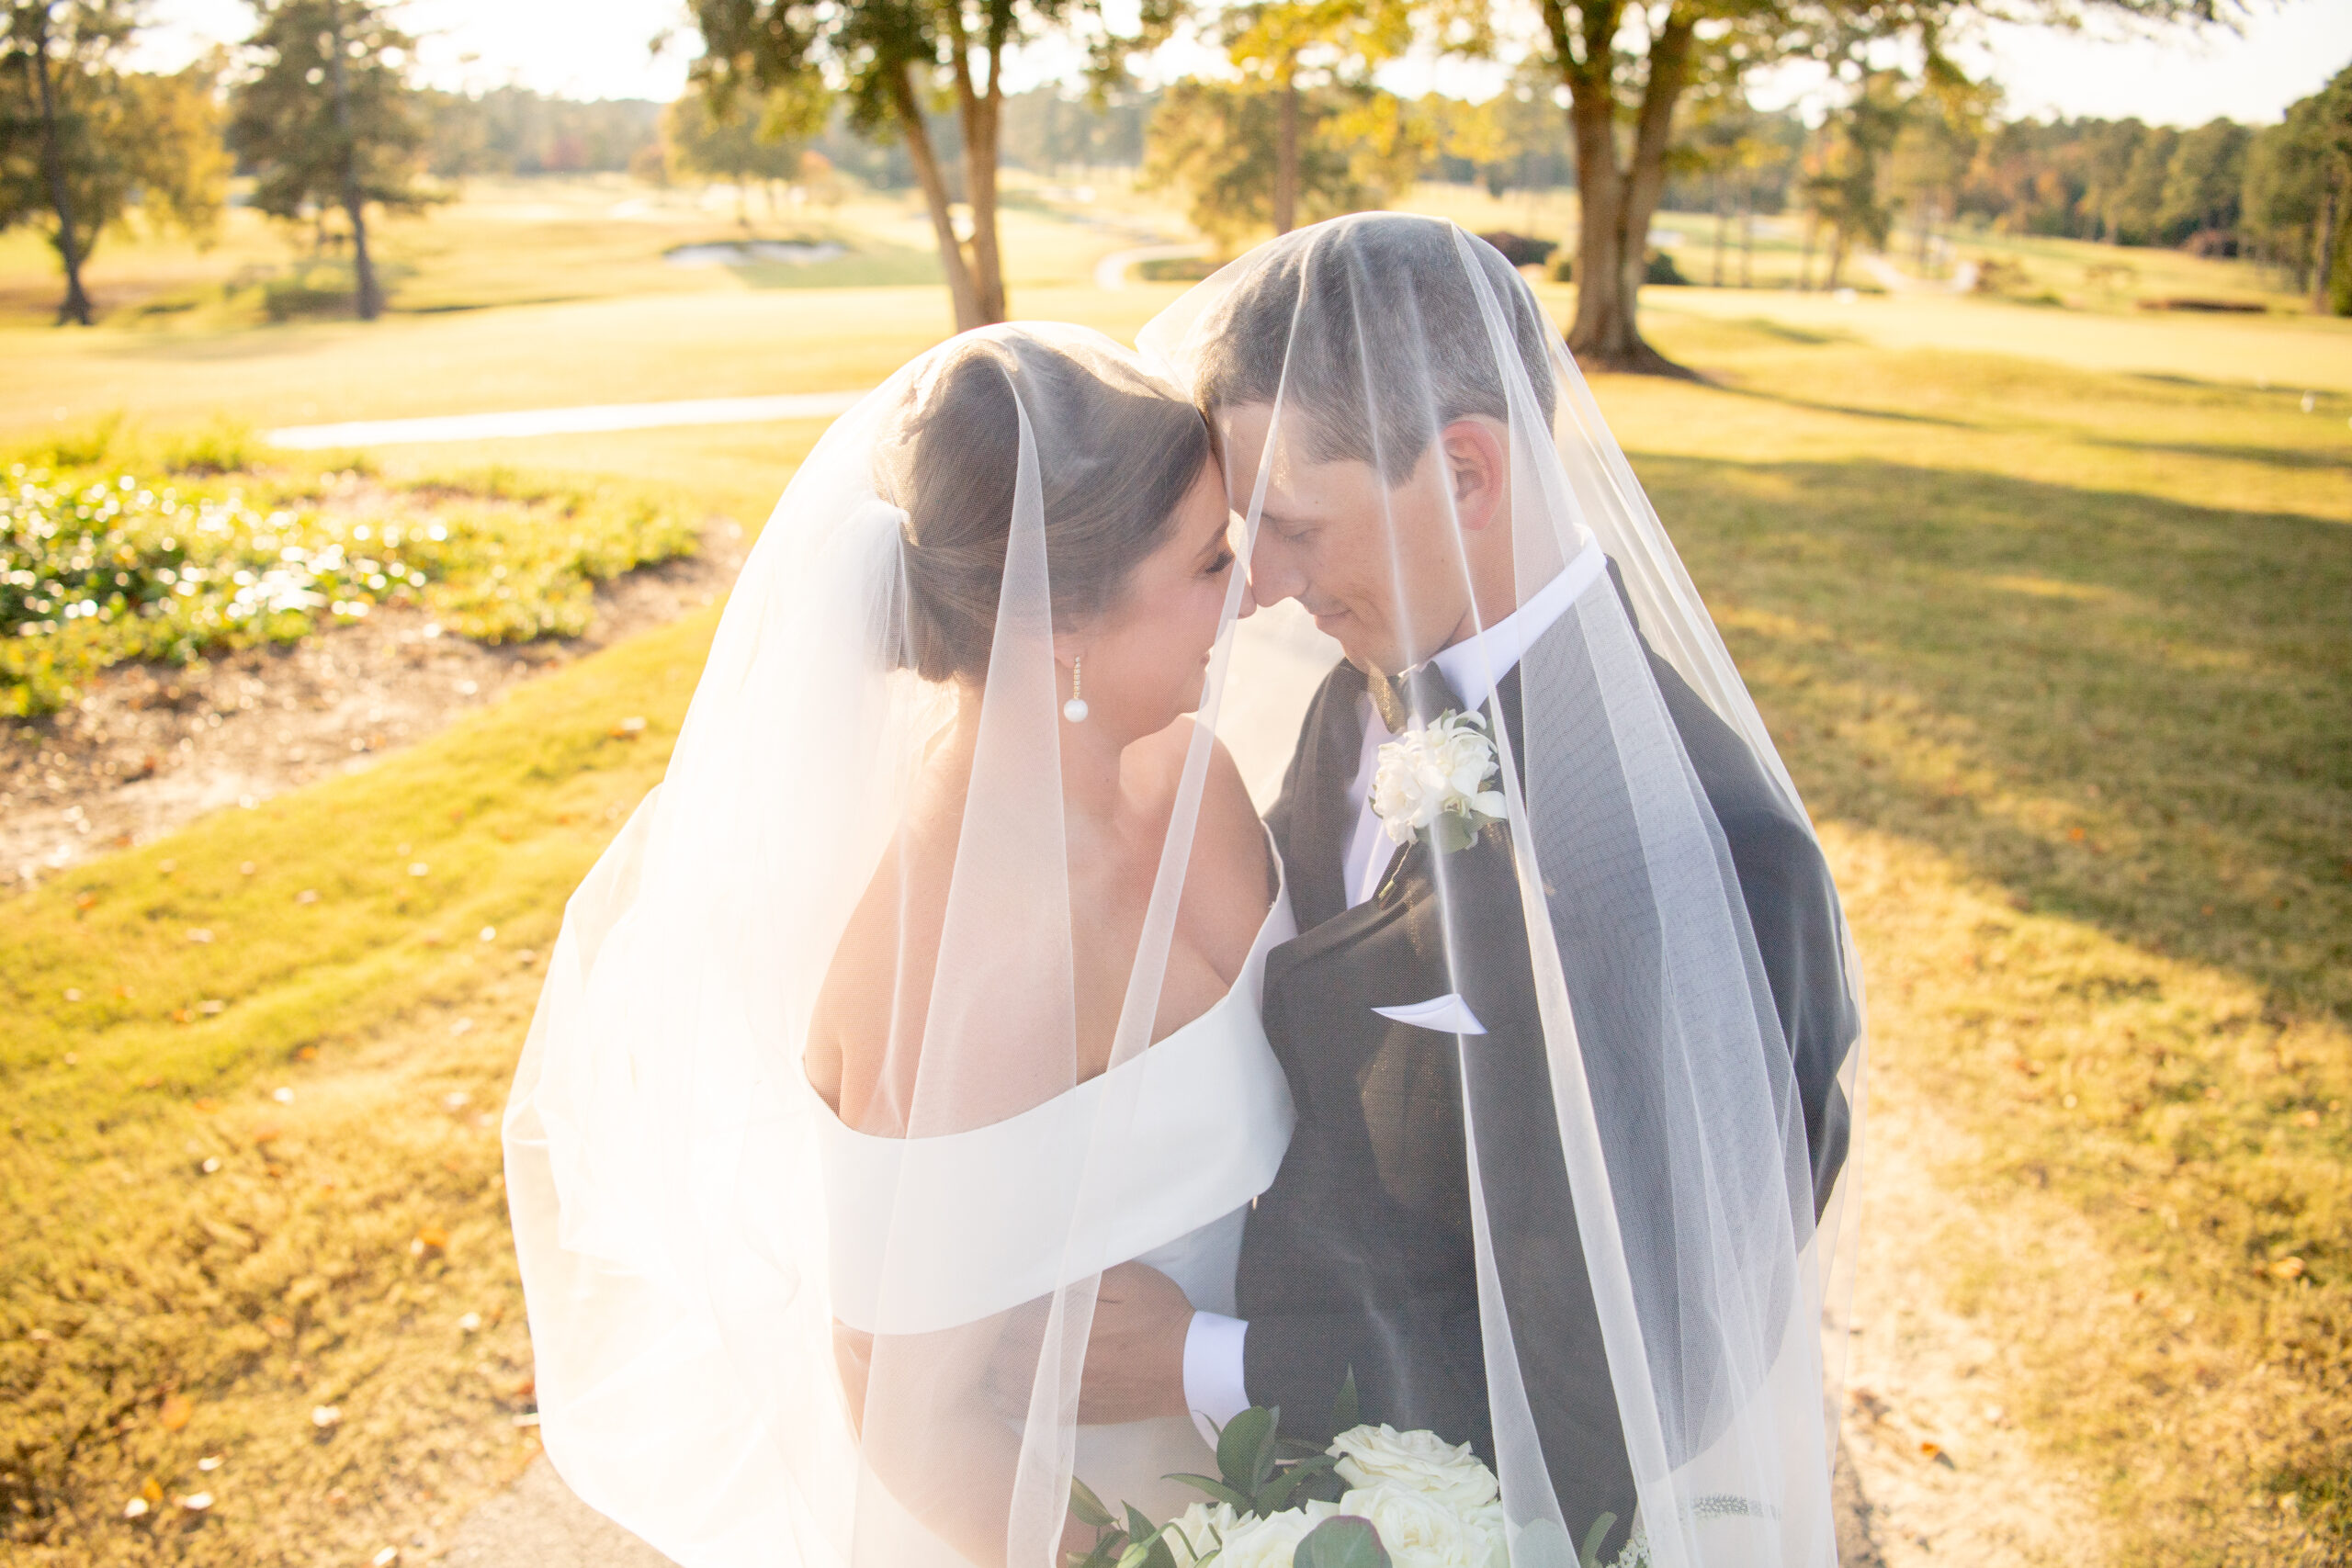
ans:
x=1135 y=1356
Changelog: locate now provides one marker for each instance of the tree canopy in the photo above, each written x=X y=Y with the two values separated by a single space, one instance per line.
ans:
x=86 y=143
x=327 y=119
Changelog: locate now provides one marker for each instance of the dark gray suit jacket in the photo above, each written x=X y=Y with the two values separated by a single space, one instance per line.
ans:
x=1360 y=1256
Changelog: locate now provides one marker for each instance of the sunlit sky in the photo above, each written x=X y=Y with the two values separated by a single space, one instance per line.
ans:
x=600 y=49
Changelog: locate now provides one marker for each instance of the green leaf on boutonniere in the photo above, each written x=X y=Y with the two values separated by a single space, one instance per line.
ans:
x=1451 y=832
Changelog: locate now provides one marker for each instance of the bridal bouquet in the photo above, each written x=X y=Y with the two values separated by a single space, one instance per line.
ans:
x=1376 y=1498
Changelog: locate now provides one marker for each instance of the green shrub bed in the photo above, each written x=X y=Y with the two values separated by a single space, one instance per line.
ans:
x=104 y=563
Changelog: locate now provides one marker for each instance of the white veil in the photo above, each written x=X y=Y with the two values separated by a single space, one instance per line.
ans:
x=739 y=1379
x=1665 y=1145
x=717 y=1369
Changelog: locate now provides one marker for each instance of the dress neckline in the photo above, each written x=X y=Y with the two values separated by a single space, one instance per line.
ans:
x=1253 y=969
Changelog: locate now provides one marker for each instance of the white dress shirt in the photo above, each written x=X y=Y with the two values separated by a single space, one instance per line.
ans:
x=1472 y=668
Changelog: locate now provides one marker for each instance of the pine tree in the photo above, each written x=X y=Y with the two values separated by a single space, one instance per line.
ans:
x=329 y=119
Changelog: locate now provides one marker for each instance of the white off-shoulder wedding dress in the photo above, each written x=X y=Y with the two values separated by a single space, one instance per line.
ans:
x=1179 y=1139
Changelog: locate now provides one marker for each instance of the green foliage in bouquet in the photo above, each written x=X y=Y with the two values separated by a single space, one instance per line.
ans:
x=1342 y=1542
x=1261 y=1473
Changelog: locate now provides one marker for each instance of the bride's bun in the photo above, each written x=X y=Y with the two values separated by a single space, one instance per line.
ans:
x=1116 y=452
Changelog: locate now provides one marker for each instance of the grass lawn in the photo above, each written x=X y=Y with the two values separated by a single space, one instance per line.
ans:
x=274 y=1232
x=2059 y=658
x=514 y=241
x=2045 y=607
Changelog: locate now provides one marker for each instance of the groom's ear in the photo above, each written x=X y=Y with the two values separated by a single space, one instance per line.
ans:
x=1476 y=467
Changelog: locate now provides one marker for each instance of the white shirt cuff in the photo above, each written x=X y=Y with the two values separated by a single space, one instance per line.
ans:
x=1212 y=1390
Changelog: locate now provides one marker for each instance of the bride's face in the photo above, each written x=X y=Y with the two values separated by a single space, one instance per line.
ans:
x=1147 y=657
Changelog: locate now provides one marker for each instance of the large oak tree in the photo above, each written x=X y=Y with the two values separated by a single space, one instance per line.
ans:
x=1626 y=65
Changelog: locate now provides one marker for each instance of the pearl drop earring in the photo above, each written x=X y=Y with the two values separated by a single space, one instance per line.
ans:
x=1074 y=710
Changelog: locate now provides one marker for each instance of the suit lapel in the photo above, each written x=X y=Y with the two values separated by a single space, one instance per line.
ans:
x=1323 y=821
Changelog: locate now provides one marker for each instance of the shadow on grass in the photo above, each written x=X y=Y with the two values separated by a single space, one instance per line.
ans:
x=2128 y=715
x=1806 y=337
x=1851 y=411
x=2276 y=457
x=2125 y=710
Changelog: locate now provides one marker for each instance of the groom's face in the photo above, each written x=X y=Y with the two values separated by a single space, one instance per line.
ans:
x=1379 y=567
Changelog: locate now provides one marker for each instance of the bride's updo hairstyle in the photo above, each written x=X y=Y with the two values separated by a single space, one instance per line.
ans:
x=1116 y=452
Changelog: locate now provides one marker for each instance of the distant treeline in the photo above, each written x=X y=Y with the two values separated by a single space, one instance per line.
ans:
x=2116 y=180
x=2221 y=188
x=513 y=131
x=2274 y=193
x=1044 y=129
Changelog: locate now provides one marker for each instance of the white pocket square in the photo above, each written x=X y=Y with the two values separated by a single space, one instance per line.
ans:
x=1448 y=1014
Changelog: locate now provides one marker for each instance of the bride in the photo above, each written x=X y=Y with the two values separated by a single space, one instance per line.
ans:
x=1136 y=534
x=937 y=815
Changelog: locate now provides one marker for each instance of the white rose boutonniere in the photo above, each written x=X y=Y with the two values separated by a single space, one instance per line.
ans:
x=1435 y=778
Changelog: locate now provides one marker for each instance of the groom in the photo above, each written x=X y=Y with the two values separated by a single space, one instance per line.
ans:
x=1393 y=526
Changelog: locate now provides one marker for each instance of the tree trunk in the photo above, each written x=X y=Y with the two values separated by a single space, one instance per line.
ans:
x=75 y=307
x=354 y=200
x=982 y=109
x=1612 y=233
x=1747 y=236
x=1670 y=72
x=1805 y=261
x=1715 y=274
x=2324 y=261
x=1286 y=155
x=934 y=196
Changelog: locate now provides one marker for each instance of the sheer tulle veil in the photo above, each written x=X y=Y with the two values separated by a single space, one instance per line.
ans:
x=721 y=1373
x=687 y=1302
x=1705 y=1087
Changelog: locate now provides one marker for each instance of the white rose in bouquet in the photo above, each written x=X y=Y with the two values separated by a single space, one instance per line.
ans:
x=1417 y=1461
x=1272 y=1541
x=1422 y=1531
x=1201 y=1527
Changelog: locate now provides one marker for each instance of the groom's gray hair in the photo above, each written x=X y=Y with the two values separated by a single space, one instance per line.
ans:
x=1370 y=330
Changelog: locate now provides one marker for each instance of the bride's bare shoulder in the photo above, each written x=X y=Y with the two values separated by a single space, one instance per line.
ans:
x=1229 y=834
x=881 y=962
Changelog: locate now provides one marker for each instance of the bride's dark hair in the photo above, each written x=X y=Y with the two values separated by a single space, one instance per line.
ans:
x=1116 y=452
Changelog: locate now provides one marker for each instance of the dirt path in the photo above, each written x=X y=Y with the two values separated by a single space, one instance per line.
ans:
x=539 y=1523
x=151 y=748
x=1939 y=1469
